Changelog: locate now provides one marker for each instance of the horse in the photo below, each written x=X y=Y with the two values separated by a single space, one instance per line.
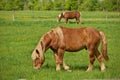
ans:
x=61 y=39
x=70 y=15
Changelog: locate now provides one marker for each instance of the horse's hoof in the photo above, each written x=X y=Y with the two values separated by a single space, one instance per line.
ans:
x=58 y=69
x=69 y=70
x=88 y=70
x=103 y=70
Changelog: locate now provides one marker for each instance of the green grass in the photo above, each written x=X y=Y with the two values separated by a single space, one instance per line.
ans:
x=18 y=39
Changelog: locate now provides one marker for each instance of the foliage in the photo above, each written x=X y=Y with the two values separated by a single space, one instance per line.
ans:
x=82 y=5
x=71 y=5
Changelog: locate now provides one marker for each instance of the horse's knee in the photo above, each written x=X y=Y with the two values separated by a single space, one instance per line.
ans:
x=59 y=62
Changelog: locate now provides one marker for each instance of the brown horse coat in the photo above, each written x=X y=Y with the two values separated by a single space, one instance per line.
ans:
x=63 y=39
x=70 y=15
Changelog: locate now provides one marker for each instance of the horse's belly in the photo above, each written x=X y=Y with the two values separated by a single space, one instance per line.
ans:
x=74 y=47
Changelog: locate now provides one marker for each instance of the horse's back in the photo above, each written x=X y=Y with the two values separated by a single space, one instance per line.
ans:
x=70 y=14
x=82 y=34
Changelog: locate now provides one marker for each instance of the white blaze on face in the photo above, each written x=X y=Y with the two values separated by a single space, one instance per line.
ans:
x=59 y=15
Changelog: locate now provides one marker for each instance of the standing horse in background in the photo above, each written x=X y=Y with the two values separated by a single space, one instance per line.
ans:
x=70 y=15
x=63 y=39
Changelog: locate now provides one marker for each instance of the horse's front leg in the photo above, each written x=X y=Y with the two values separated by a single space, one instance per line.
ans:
x=60 y=56
x=66 y=67
x=59 y=60
x=66 y=20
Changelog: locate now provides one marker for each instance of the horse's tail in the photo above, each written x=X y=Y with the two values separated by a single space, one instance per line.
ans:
x=104 y=46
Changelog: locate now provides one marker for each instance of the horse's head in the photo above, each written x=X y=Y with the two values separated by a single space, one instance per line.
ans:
x=59 y=17
x=38 y=56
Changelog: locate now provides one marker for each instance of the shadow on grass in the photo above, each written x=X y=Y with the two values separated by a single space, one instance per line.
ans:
x=71 y=22
x=84 y=68
x=74 y=68
x=47 y=66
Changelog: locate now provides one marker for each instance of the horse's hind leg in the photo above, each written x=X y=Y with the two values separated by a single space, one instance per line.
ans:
x=92 y=59
x=77 y=20
x=99 y=57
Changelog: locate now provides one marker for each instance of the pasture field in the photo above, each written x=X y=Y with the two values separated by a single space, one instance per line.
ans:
x=18 y=38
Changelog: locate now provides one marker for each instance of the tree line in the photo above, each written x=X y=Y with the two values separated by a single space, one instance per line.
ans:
x=84 y=5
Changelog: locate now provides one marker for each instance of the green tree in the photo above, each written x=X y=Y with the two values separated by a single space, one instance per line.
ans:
x=48 y=5
x=111 y=5
x=2 y=4
x=11 y=4
x=71 y=4
x=108 y=5
x=26 y=5
x=59 y=4
x=34 y=5
x=88 y=5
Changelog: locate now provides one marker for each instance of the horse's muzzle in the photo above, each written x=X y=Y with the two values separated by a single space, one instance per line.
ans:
x=38 y=67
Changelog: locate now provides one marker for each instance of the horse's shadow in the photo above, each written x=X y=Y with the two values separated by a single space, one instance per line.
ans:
x=74 y=68
x=71 y=22
x=74 y=22
x=79 y=67
x=84 y=68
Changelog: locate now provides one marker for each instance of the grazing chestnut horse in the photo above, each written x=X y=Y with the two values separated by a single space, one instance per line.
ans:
x=70 y=15
x=63 y=39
